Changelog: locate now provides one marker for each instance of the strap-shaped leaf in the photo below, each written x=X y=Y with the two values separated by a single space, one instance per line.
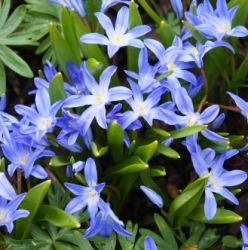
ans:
x=4 y=11
x=56 y=216
x=31 y=202
x=2 y=79
x=14 y=62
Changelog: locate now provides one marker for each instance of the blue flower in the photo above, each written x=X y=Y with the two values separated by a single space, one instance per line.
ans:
x=44 y=119
x=71 y=127
x=216 y=23
x=117 y=37
x=10 y=213
x=100 y=95
x=242 y=104
x=172 y=60
x=177 y=6
x=105 y=222
x=244 y=232
x=190 y=117
x=149 y=244
x=204 y=161
x=146 y=76
x=106 y=4
x=147 y=109
x=77 y=5
x=197 y=52
x=217 y=183
x=153 y=196
x=86 y=196
x=7 y=191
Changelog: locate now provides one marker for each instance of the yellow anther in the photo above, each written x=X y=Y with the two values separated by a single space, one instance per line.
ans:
x=24 y=159
x=195 y=51
x=2 y=217
x=92 y=193
x=117 y=39
x=171 y=66
x=99 y=98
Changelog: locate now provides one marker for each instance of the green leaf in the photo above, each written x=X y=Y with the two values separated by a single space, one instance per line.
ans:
x=81 y=242
x=167 y=151
x=2 y=79
x=70 y=34
x=145 y=152
x=167 y=33
x=166 y=232
x=115 y=136
x=14 y=62
x=184 y=132
x=131 y=165
x=149 y=182
x=128 y=243
x=90 y=8
x=150 y=11
x=105 y=243
x=208 y=239
x=98 y=151
x=222 y=216
x=133 y=53
x=242 y=12
x=4 y=11
x=231 y=241
x=241 y=73
x=61 y=48
x=31 y=202
x=157 y=171
x=89 y=50
x=59 y=161
x=12 y=244
x=57 y=89
x=184 y=204
x=56 y=216
x=14 y=20
x=194 y=32
x=161 y=132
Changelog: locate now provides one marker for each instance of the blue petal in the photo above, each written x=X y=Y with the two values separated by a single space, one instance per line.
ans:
x=119 y=93
x=94 y=38
x=42 y=101
x=127 y=118
x=153 y=196
x=100 y=114
x=209 y=114
x=228 y=195
x=105 y=78
x=157 y=48
x=244 y=232
x=239 y=31
x=75 y=188
x=212 y=136
x=95 y=226
x=121 y=23
x=149 y=244
x=210 y=205
x=105 y=23
x=90 y=172
x=177 y=7
x=14 y=204
x=112 y=49
x=138 y=31
x=39 y=172
x=233 y=178
x=183 y=101
x=76 y=204
x=7 y=191
x=120 y=230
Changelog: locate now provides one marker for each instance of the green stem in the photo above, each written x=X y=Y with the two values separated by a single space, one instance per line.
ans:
x=204 y=99
x=19 y=181
x=150 y=11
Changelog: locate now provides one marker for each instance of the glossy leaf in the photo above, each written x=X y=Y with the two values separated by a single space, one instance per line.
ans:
x=222 y=216
x=56 y=216
x=157 y=171
x=167 y=33
x=56 y=88
x=115 y=136
x=184 y=204
x=231 y=241
x=31 y=202
x=131 y=165
x=59 y=161
x=184 y=132
x=98 y=151
x=145 y=152
x=2 y=79
x=167 y=151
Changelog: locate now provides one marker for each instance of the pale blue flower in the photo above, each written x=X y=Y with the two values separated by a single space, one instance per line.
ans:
x=149 y=243
x=153 y=196
x=119 y=36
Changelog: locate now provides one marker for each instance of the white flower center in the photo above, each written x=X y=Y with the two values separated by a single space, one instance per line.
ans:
x=225 y=27
x=195 y=51
x=46 y=122
x=2 y=217
x=24 y=159
x=171 y=66
x=92 y=193
x=117 y=39
x=99 y=99
x=141 y=109
x=192 y=121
